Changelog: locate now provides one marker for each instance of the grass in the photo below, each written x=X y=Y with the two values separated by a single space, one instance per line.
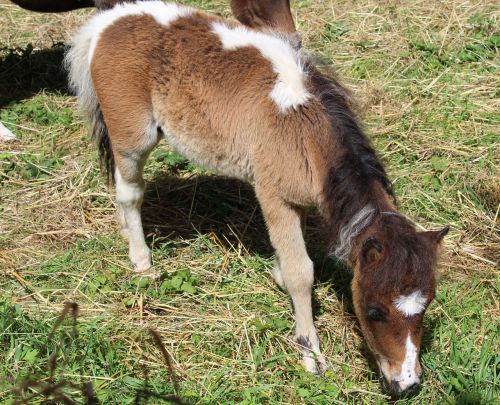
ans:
x=425 y=77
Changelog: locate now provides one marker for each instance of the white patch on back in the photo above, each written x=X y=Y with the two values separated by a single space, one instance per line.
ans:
x=289 y=90
x=163 y=13
x=79 y=57
x=411 y=304
x=408 y=375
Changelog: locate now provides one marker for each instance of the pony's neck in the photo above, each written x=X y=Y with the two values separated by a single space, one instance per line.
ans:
x=350 y=224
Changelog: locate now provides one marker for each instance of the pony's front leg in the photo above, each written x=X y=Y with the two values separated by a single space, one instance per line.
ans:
x=129 y=196
x=295 y=273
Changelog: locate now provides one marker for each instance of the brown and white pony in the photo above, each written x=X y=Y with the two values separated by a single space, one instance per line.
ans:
x=245 y=103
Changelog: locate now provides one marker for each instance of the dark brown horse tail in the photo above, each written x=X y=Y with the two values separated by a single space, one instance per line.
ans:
x=100 y=136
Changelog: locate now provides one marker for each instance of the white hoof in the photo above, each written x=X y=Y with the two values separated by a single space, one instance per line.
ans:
x=309 y=365
x=323 y=365
x=141 y=260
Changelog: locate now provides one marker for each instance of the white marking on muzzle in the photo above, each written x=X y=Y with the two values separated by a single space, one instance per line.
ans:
x=408 y=375
x=411 y=304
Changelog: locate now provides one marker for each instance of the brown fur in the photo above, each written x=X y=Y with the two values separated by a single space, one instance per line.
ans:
x=226 y=136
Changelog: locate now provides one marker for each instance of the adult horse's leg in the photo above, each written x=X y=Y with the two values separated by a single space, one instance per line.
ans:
x=294 y=272
x=56 y=6
x=53 y=5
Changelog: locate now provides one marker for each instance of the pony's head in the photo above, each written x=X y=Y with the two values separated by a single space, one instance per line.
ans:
x=393 y=285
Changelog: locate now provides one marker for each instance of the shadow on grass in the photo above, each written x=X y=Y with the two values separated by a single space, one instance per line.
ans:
x=177 y=208
x=25 y=72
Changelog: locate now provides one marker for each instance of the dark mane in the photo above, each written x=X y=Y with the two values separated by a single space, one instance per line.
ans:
x=352 y=175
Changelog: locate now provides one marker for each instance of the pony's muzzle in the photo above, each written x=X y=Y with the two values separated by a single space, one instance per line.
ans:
x=401 y=388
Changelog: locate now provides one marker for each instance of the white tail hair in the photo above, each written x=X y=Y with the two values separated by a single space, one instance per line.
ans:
x=77 y=62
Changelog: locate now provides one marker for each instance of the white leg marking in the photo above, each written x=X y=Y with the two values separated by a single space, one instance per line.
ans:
x=306 y=334
x=298 y=278
x=6 y=134
x=129 y=197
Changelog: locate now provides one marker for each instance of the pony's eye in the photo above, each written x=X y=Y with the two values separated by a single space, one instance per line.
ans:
x=376 y=314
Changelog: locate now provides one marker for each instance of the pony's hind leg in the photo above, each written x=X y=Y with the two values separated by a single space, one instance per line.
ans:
x=129 y=160
x=129 y=196
x=293 y=272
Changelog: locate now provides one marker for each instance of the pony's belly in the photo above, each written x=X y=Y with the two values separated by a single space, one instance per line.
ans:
x=214 y=157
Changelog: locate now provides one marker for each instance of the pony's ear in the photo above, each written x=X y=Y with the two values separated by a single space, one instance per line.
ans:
x=437 y=236
x=371 y=252
x=262 y=14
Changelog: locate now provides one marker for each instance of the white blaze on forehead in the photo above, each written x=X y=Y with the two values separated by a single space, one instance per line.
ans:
x=289 y=90
x=408 y=375
x=411 y=304
x=163 y=14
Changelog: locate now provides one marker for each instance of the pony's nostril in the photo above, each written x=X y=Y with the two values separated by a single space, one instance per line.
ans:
x=395 y=388
x=412 y=388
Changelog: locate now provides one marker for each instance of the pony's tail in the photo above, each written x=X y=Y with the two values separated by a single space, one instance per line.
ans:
x=77 y=62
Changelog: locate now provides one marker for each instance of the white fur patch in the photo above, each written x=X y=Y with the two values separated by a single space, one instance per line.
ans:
x=289 y=90
x=412 y=304
x=129 y=194
x=163 y=13
x=408 y=375
x=352 y=229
